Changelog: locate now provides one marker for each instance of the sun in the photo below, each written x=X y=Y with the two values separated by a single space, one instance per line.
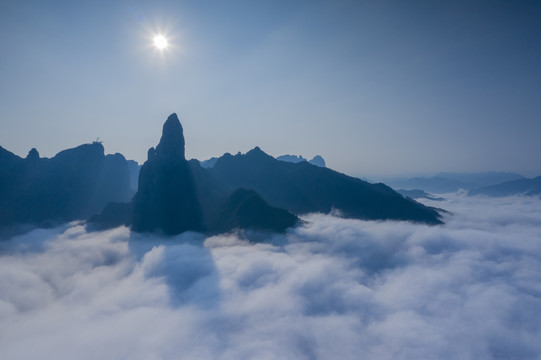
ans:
x=160 y=42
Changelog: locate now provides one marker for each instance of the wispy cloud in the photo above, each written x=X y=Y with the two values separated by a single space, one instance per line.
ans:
x=334 y=288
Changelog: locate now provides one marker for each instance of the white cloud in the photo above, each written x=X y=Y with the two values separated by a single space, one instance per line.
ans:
x=335 y=288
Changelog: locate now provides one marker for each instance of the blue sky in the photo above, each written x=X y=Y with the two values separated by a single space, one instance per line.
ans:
x=375 y=87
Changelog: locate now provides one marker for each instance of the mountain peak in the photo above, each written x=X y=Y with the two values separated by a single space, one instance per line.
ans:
x=256 y=151
x=317 y=161
x=33 y=155
x=172 y=141
x=166 y=199
x=256 y=154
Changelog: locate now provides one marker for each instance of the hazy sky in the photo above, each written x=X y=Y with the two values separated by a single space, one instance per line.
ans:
x=375 y=87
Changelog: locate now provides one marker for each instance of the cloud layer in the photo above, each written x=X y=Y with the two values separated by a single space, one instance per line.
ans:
x=332 y=289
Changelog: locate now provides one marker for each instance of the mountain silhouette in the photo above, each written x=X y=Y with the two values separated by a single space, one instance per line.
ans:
x=447 y=182
x=527 y=187
x=304 y=188
x=176 y=195
x=251 y=191
x=166 y=198
x=74 y=184
x=289 y=158
x=316 y=160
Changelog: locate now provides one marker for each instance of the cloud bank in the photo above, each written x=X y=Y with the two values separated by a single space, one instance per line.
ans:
x=332 y=289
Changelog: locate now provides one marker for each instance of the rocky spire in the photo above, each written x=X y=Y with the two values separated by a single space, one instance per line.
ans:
x=171 y=144
x=33 y=155
x=166 y=199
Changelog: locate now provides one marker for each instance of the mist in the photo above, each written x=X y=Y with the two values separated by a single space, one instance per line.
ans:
x=332 y=288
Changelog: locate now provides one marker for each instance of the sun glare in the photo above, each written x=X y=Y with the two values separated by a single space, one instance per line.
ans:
x=160 y=42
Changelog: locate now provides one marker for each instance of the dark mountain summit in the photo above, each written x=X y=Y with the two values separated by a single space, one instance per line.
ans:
x=166 y=198
x=171 y=146
x=303 y=188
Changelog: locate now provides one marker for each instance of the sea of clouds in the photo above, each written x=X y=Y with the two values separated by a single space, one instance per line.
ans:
x=331 y=289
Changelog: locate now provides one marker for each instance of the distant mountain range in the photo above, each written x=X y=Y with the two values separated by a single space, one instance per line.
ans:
x=484 y=183
x=527 y=187
x=316 y=160
x=452 y=182
x=246 y=191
